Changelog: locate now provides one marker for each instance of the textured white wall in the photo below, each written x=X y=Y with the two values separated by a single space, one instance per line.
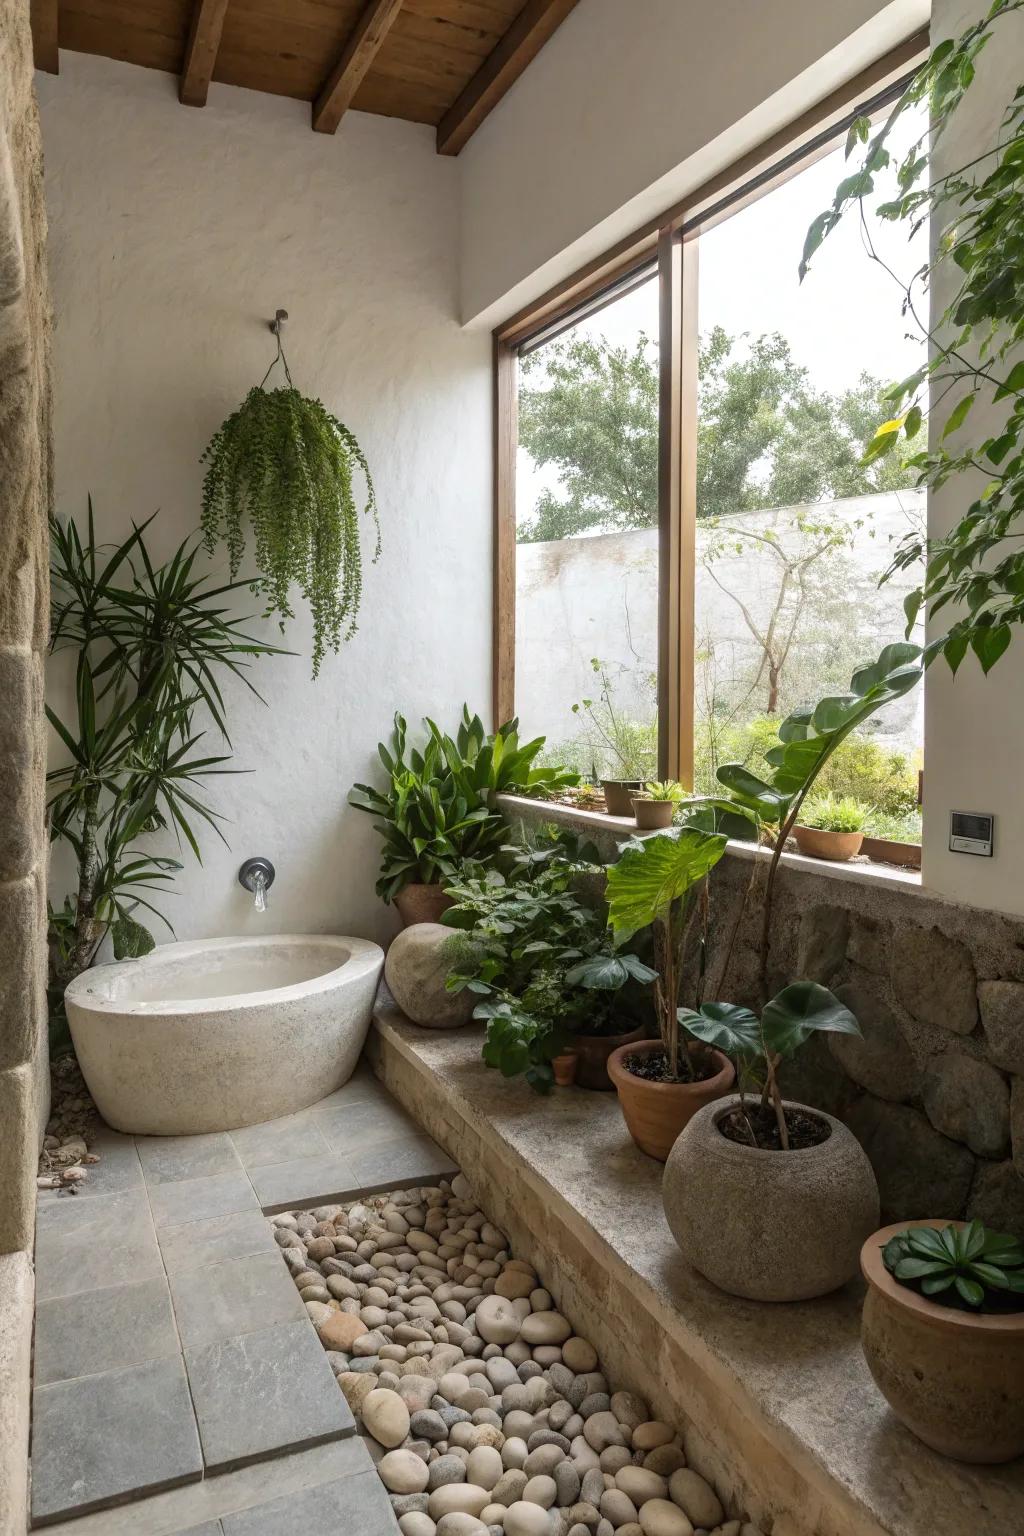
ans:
x=631 y=105
x=174 y=234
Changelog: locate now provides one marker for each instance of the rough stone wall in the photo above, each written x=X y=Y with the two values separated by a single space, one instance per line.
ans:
x=25 y=474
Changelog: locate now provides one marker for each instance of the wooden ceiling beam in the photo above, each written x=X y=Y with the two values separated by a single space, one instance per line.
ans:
x=536 y=22
x=44 y=36
x=201 y=51
x=356 y=57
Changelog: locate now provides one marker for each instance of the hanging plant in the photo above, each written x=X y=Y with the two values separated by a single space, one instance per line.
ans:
x=283 y=462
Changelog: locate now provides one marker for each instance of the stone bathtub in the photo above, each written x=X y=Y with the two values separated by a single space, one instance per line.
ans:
x=220 y=1033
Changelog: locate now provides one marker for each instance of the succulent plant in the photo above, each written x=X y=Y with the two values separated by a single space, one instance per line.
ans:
x=966 y=1266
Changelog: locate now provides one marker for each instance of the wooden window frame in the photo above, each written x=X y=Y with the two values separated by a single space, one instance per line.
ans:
x=671 y=244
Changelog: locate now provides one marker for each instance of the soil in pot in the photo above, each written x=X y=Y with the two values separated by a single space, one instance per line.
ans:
x=618 y=795
x=592 y=1053
x=755 y=1125
x=655 y=1107
x=819 y=844
x=419 y=903
x=653 y=815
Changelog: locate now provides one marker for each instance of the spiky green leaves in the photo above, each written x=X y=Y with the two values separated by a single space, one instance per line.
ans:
x=283 y=462
x=966 y=1266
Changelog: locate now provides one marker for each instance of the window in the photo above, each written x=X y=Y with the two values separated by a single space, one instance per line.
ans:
x=688 y=546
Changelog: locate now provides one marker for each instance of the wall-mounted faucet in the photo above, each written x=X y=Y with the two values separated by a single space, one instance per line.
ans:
x=257 y=876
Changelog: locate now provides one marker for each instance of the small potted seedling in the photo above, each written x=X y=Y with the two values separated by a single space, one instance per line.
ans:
x=656 y=803
x=943 y=1334
x=831 y=827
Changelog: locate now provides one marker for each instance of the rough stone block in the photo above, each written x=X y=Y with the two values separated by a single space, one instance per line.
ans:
x=22 y=761
x=1017 y=1123
x=968 y=1100
x=919 y=1171
x=821 y=948
x=18 y=1157
x=1002 y=1015
x=22 y=986
x=869 y=943
x=814 y=1076
x=880 y=1059
x=15 y=1384
x=997 y=1198
x=933 y=977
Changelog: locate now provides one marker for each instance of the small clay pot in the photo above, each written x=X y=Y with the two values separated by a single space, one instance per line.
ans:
x=652 y=815
x=593 y=1052
x=819 y=844
x=419 y=903
x=655 y=1113
x=952 y=1377
x=618 y=795
x=564 y=1068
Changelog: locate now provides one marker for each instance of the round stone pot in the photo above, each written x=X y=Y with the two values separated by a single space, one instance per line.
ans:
x=416 y=971
x=653 y=815
x=655 y=1113
x=771 y=1226
x=592 y=1053
x=618 y=795
x=422 y=903
x=819 y=844
x=953 y=1378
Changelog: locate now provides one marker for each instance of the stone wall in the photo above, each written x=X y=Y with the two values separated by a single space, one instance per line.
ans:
x=24 y=500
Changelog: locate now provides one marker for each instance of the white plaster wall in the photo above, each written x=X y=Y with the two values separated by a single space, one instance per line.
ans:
x=632 y=104
x=174 y=234
x=974 y=726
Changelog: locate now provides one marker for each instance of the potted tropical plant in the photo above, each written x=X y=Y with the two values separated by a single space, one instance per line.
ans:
x=662 y=1083
x=655 y=806
x=767 y=1198
x=831 y=827
x=943 y=1334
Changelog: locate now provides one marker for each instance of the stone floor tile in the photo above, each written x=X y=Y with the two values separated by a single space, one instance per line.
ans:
x=185 y=1200
x=123 y=1217
x=279 y=1141
x=352 y=1506
x=208 y=1528
x=118 y=1167
x=264 y=1392
x=362 y=1087
x=195 y=1243
x=68 y=1268
x=308 y=1178
x=98 y=1439
x=104 y=1330
x=166 y=1159
x=413 y=1160
x=236 y=1296
x=352 y=1127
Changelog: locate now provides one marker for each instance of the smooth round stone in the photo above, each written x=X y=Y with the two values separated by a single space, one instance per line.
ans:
x=567 y=1481
x=425 y=1424
x=458 y=1498
x=416 y=1391
x=547 y=1355
x=318 y=1312
x=641 y=1485
x=514 y=1283
x=543 y=1460
x=402 y=1472
x=583 y=1455
x=509 y=1487
x=501 y=1373
x=416 y=1524
x=540 y=1300
x=597 y=1402
x=446 y=1469
x=592 y=1489
x=660 y=1518
x=545 y=1328
x=629 y=1409
x=519 y=1424
x=458 y=1524
x=484 y=1434
x=514 y=1452
x=654 y=1433
x=408 y=1504
x=578 y=1355
x=525 y=1519
x=541 y=1490
x=617 y=1507
x=613 y=1458
x=695 y=1498
x=356 y=1387
x=664 y=1459
x=386 y=1417
x=602 y=1430
x=484 y=1467
x=497 y=1321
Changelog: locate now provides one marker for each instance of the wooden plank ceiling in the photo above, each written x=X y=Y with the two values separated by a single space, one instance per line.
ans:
x=443 y=62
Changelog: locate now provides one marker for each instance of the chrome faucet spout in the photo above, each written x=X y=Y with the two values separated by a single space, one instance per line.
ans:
x=259 y=891
x=257 y=876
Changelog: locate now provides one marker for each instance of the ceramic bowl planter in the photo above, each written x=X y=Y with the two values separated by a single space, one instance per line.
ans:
x=952 y=1377
x=770 y=1225
x=819 y=844
x=656 y=1113
x=653 y=815
x=592 y=1053
x=618 y=795
x=422 y=903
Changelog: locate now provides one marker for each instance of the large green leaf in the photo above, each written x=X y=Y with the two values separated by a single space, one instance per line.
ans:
x=799 y=1010
x=654 y=872
x=608 y=972
x=726 y=1026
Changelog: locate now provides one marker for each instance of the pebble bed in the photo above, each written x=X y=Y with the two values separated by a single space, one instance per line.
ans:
x=485 y=1414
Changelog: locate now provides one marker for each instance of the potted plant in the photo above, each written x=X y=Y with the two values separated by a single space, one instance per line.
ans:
x=655 y=806
x=767 y=1198
x=662 y=1083
x=943 y=1334
x=831 y=827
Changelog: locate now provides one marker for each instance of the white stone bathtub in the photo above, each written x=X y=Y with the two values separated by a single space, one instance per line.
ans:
x=220 y=1033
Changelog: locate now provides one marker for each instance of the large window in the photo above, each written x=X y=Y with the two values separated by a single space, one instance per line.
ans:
x=689 y=546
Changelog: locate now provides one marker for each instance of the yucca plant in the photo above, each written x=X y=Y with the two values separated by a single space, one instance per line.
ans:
x=149 y=643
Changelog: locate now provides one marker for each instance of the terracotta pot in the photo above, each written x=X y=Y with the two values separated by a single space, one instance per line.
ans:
x=770 y=1226
x=564 y=1068
x=618 y=795
x=655 y=1113
x=593 y=1052
x=885 y=851
x=819 y=844
x=422 y=903
x=652 y=815
x=953 y=1378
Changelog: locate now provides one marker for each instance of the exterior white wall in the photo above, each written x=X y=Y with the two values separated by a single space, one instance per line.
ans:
x=632 y=104
x=174 y=235
x=974 y=726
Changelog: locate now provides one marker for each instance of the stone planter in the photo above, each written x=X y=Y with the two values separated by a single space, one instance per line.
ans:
x=653 y=815
x=884 y=851
x=618 y=795
x=418 y=903
x=656 y=1113
x=593 y=1052
x=953 y=1378
x=770 y=1226
x=819 y=844
x=416 y=970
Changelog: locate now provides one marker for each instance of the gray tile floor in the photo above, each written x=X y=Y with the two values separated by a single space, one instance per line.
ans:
x=171 y=1342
